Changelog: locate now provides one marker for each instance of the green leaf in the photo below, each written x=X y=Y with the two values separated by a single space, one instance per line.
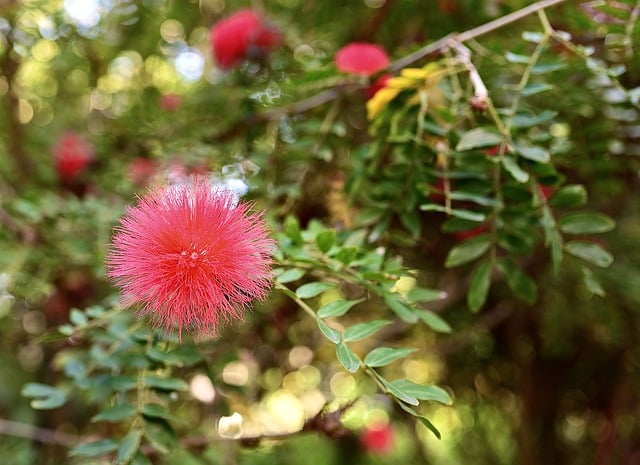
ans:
x=590 y=252
x=186 y=355
x=528 y=120
x=574 y=195
x=363 y=330
x=434 y=321
x=325 y=240
x=290 y=275
x=455 y=212
x=586 y=223
x=165 y=384
x=382 y=356
x=399 y=393
x=330 y=333
x=347 y=357
x=156 y=411
x=402 y=310
x=309 y=290
x=292 y=229
x=479 y=137
x=479 y=287
x=337 y=308
x=420 y=294
x=422 y=392
x=468 y=251
x=95 y=448
x=592 y=283
x=516 y=58
x=78 y=317
x=519 y=281
x=115 y=413
x=475 y=198
x=129 y=446
x=421 y=419
x=534 y=88
x=512 y=167
x=533 y=152
x=160 y=434
x=45 y=397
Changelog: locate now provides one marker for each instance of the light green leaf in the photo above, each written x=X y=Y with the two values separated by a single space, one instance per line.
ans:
x=115 y=413
x=574 y=195
x=347 y=358
x=290 y=275
x=382 y=356
x=160 y=434
x=586 y=223
x=45 y=397
x=364 y=330
x=95 y=448
x=512 y=167
x=325 y=240
x=402 y=310
x=337 y=308
x=533 y=152
x=455 y=212
x=422 y=392
x=479 y=137
x=398 y=393
x=534 y=88
x=516 y=58
x=421 y=419
x=468 y=251
x=309 y=290
x=592 y=283
x=420 y=294
x=479 y=287
x=332 y=334
x=528 y=120
x=590 y=252
x=434 y=321
x=155 y=411
x=129 y=446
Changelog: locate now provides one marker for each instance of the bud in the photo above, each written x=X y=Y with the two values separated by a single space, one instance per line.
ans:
x=230 y=427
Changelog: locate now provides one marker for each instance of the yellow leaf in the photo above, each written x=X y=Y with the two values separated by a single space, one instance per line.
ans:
x=380 y=100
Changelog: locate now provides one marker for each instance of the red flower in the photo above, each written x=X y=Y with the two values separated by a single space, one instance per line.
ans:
x=470 y=233
x=170 y=102
x=378 y=439
x=361 y=58
x=72 y=154
x=141 y=170
x=546 y=191
x=242 y=35
x=191 y=256
x=379 y=84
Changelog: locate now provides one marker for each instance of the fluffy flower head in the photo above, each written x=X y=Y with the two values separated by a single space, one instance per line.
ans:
x=240 y=36
x=191 y=256
x=361 y=58
x=72 y=154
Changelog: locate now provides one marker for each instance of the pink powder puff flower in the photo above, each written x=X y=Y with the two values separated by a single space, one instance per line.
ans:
x=361 y=58
x=192 y=257
x=240 y=36
x=72 y=154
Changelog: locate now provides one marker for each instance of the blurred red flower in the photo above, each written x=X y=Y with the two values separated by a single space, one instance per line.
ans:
x=377 y=439
x=240 y=36
x=72 y=154
x=141 y=170
x=191 y=256
x=361 y=58
x=546 y=191
x=170 y=102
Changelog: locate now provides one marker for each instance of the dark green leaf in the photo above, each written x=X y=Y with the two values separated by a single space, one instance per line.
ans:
x=519 y=282
x=95 y=448
x=155 y=411
x=422 y=419
x=402 y=310
x=574 y=195
x=363 y=330
x=586 y=223
x=590 y=252
x=479 y=137
x=186 y=355
x=160 y=434
x=528 y=120
x=325 y=240
x=434 y=321
x=290 y=275
x=382 y=356
x=512 y=167
x=347 y=358
x=129 y=446
x=330 y=333
x=533 y=152
x=165 y=384
x=292 y=229
x=475 y=198
x=479 y=287
x=45 y=397
x=422 y=392
x=306 y=291
x=468 y=250
x=337 y=308
x=115 y=413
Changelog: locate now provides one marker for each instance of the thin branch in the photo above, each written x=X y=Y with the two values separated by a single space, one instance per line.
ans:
x=35 y=433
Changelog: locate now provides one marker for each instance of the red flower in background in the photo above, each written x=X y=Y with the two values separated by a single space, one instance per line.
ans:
x=240 y=36
x=379 y=84
x=72 y=154
x=546 y=191
x=361 y=58
x=170 y=102
x=141 y=170
x=378 y=439
x=191 y=256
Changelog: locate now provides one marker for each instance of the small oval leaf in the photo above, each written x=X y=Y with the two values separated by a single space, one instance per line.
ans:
x=309 y=290
x=363 y=330
x=347 y=358
x=590 y=252
x=586 y=223
x=337 y=308
x=382 y=356
x=479 y=287
x=468 y=250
